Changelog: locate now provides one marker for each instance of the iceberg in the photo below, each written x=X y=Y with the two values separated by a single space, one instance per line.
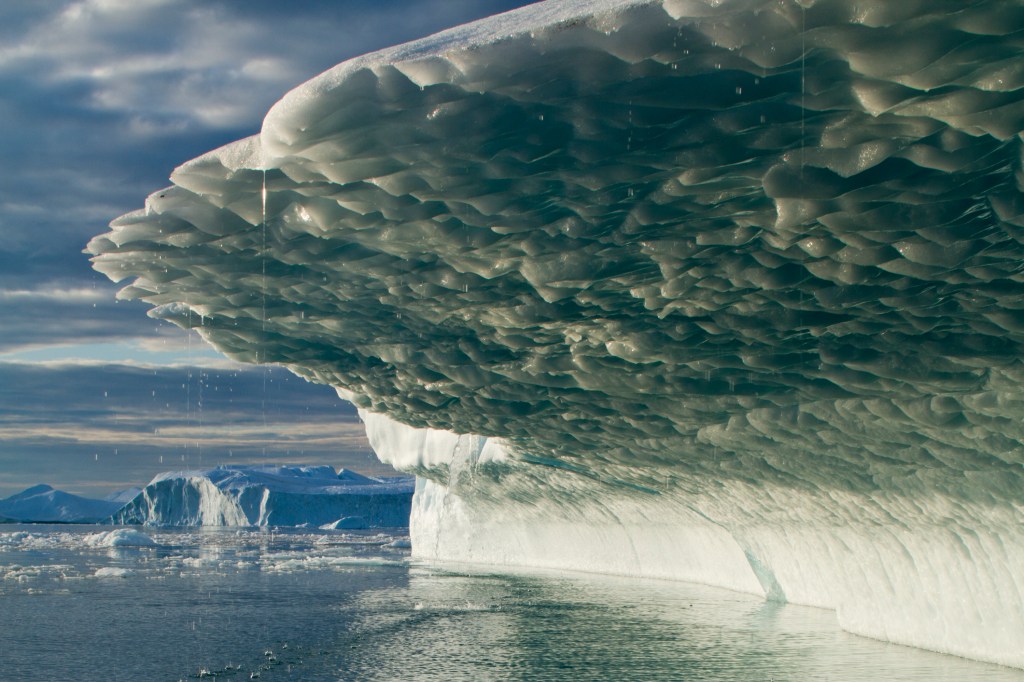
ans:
x=44 y=504
x=122 y=537
x=270 y=496
x=727 y=291
x=123 y=497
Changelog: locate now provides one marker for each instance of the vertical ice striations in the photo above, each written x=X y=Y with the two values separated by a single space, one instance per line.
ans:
x=270 y=496
x=727 y=291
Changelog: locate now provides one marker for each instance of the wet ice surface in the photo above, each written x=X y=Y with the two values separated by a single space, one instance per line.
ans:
x=350 y=606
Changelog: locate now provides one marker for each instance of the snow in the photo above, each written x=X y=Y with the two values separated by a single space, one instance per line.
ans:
x=42 y=503
x=271 y=495
x=723 y=291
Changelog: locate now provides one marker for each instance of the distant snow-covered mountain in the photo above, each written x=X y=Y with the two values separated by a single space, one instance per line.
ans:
x=43 y=503
x=271 y=496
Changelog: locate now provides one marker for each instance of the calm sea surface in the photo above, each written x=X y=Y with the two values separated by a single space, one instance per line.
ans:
x=327 y=605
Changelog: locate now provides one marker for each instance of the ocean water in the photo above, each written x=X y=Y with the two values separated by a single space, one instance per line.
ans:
x=330 y=605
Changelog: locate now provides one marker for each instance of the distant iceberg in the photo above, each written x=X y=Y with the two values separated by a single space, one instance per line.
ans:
x=44 y=504
x=728 y=291
x=230 y=496
x=123 y=497
x=270 y=496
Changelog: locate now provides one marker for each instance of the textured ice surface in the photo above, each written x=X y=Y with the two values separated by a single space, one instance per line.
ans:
x=728 y=291
x=270 y=496
x=122 y=537
x=42 y=503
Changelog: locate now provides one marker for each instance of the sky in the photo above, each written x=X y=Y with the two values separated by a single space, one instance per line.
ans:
x=99 y=101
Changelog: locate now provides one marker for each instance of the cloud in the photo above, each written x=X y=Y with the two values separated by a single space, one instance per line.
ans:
x=196 y=63
x=72 y=425
x=34 y=318
x=100 y=100
x=54 y=294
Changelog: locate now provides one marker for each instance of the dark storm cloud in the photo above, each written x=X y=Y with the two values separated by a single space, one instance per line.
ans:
x=81 y=427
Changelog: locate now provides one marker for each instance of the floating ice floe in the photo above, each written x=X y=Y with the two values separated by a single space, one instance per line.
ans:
x=308 y=563
x=34 y=572
x=113 y=572
x=122 y=537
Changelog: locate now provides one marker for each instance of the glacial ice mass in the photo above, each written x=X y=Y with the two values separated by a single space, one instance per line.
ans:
x=727 y=291
x=270 y=496
x=237 y=495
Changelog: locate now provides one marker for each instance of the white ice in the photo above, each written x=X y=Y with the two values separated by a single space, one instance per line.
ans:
x=270 y=496
x=725 y=291
x=121 y=537
x=27 y=561
x=113 y=572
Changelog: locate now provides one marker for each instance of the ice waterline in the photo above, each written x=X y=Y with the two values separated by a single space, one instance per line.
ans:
x=726 y=292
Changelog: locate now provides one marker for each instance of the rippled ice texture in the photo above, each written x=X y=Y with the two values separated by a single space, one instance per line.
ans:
x=727 y=291
x=328 y=606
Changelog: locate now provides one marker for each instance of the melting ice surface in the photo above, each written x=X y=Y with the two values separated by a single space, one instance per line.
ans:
x=728 y=292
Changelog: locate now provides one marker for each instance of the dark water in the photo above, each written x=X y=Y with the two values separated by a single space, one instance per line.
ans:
x=317 y=605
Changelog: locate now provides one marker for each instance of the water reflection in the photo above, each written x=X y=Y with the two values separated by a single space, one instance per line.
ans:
x=539 y=626
x=332 y=606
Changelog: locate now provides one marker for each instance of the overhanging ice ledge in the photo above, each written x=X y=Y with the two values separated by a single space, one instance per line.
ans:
x=723 y=291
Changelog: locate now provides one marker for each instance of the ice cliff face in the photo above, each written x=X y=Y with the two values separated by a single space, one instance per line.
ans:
x=722 y=291
x=270 y=496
